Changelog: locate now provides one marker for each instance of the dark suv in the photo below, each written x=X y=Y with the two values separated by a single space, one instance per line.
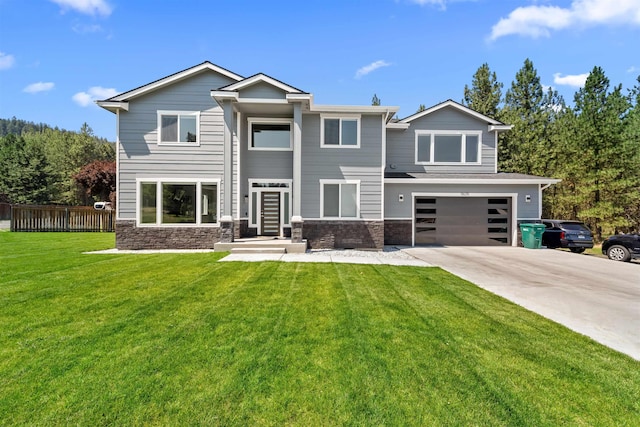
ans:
x=561 y=233
x=622 y=247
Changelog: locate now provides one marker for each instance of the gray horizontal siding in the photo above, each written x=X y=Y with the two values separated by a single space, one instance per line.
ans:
x=141 y=156
x=262 y=91
x=401 y=144
x=363 y=164
x=396 y=209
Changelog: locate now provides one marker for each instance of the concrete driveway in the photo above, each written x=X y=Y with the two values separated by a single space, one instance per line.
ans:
x=594 y=296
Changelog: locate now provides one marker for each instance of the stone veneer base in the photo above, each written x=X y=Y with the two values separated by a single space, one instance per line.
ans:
x=398 y=232
x=344 y=234
x=128 y=236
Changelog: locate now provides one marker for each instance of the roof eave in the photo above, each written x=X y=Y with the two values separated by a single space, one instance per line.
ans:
x=500 y=128
x=224 y=95
x=398 y=126
x=356 y=109
x=502 y=181
x=113 y=106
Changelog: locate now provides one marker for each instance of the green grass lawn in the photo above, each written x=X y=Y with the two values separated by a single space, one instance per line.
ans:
x=179 y=339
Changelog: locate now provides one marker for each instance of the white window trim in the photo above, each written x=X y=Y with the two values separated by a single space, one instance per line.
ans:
x=159 y=182
x=340 y=117
x=259 y=190
x=340 y=181
x=463 y=148
x=178 y=113
x=267 y=121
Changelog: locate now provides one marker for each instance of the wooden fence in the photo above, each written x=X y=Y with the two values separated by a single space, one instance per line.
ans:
x=61 y=218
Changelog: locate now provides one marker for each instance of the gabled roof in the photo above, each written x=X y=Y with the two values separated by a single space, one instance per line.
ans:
x=260 y=78
x=180 y=75
x=452 y=104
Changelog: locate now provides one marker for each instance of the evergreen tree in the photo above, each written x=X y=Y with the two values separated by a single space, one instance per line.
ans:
x=421 y=108
x=485 y=93
x=632 y=136
x=375 y=100
x=608 y=161
x=24 y=171
x=527 y=147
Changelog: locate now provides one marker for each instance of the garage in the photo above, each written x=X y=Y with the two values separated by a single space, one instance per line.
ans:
x=462 y=221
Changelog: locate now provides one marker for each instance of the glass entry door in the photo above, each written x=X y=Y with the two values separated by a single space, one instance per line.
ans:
x=270 y=213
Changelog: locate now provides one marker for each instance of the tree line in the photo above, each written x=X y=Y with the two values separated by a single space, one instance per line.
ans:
x=44 y=165
x=593 y=146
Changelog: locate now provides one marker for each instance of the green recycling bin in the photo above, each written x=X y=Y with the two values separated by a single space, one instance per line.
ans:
x=532 y=235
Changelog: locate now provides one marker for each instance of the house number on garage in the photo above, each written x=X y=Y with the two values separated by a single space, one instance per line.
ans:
x=464 y=194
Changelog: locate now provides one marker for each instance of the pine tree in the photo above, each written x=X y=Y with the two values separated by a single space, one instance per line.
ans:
x=485 y=93
x=24 y=171
x=527 y=147
x=607 y=162
x=375 y=100
x=632 y=136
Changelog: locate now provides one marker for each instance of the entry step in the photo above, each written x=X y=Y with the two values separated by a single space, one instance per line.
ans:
x=258 y=251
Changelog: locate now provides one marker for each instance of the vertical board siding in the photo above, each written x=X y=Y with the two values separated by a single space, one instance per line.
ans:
x=401 y=143
x=140 y=154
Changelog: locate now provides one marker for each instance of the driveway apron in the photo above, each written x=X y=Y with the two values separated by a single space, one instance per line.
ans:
x=594 y=296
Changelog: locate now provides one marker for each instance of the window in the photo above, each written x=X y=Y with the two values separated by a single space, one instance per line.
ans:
x=340 y=199
x=434 y=147
x=148 y=203
x=178 y=127
x=270 y=134
x=340 y=132
x=178 y=203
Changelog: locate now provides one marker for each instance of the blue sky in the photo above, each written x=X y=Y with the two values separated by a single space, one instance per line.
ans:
x=57 y=56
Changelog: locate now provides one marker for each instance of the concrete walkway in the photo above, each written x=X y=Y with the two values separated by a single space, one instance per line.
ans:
x=352 y=257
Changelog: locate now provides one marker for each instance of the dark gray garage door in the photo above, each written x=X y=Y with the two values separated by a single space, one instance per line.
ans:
x=455 y=221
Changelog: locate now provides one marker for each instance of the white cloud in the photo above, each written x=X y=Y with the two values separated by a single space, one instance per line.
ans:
x=371 y=67
x=539 y=21
x=576 y=80
x=632 y=69
x=88 y=7
x=6 y=61
x=94 y=93
x=39 y=87
x=441 y=3
x=85 y=29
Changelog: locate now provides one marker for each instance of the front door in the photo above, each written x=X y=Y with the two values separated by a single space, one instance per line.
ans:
x=270 y=213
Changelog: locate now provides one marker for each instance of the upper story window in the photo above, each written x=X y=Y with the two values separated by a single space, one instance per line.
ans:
x=447 y=147
x=340 y=132
x=179 y=127
x=270 y=134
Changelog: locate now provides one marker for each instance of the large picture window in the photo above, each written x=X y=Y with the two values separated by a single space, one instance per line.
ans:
x=447 y=147
x=270 y=134
x=178 y=127
x=340 y=132
x=177 y=203
x=340 y=199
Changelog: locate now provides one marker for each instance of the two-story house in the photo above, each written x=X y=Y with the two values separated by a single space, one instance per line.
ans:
x=206 y=155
